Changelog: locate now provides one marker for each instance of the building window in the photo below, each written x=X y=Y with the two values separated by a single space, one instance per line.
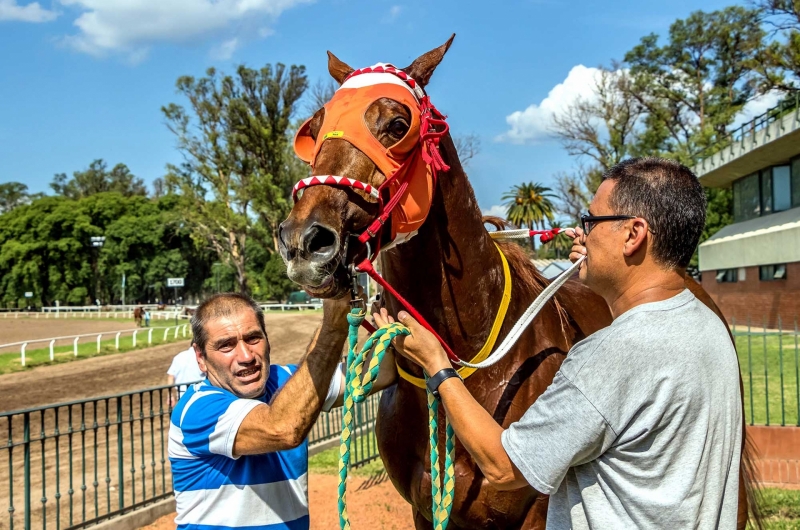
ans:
x=766 y=191
x=781 y=188
x=768 y=273
x=727 y=275
x=796 y=182
x=746 y=198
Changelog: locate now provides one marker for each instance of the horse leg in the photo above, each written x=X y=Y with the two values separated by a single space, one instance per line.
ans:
x=420 y=523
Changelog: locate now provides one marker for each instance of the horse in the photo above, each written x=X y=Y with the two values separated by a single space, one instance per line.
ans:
x=138 y=315
x=452 y=272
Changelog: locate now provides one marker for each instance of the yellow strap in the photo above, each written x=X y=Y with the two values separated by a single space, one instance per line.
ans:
x=466 y=371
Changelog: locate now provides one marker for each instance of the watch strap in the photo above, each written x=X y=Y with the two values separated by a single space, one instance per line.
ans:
x=438 y=378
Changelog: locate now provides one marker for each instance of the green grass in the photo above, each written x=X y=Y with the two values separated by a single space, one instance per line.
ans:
x=327 y=462
x=762 y=360
x=87 y=347
x=780 y=508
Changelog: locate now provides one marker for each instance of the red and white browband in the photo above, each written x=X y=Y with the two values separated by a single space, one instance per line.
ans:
x=333 y=180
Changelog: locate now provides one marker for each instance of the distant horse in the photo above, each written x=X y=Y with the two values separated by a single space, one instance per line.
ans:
x=138 y=315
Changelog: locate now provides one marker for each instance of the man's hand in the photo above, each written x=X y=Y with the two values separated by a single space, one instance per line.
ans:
x=578 y=243
x=421 y=346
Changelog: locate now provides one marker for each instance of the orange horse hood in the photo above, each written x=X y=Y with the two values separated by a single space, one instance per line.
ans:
x=401 y=162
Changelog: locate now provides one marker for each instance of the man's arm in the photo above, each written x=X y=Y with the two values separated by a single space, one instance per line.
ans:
x=173 y=393
x=473 y=425
x=285 y=423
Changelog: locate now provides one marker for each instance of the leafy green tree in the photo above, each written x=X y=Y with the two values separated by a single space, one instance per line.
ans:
x=693 y=85
x=779 y=62
x=529 y=204
x=45 y=248
x=13 y=194
x=236 y=181
x=97 y=178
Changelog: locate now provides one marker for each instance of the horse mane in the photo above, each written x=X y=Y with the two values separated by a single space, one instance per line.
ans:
x=532 y=281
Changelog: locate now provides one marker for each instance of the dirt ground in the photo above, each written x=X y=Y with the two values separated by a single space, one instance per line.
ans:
x=289 y=335
x=15 y=330
x=371 y=503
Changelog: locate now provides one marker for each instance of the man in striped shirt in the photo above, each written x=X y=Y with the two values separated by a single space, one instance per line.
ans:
x=237 y=441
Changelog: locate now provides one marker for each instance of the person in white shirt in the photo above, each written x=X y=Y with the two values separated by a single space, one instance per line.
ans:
x=183 y=370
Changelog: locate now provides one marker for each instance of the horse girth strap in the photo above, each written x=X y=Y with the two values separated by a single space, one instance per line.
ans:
x=466 y=371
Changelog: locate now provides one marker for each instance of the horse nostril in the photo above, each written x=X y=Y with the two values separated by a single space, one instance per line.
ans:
x=319 y=240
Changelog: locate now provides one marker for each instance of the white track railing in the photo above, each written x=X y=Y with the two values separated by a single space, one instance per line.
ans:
x=182 y=328
x=284 y=307
x=154 y=315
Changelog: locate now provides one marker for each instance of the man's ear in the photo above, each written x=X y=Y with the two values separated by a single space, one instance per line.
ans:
x=201 y=359
x=637 y=230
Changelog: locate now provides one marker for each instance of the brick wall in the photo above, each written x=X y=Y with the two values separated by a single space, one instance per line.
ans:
x=777 y=455
x=756 y=299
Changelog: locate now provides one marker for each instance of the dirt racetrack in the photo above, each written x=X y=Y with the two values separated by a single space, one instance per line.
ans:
x=371 y=503
x=289 y=334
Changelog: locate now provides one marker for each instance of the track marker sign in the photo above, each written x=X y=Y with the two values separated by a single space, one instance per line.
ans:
x=174 y=282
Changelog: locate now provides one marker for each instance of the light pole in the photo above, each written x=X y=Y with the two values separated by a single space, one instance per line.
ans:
x=97 y=242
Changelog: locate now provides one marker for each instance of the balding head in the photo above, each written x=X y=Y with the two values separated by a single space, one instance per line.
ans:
x=222 y=305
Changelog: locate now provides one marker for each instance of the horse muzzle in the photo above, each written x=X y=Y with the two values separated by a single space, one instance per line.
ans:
x=313 y=255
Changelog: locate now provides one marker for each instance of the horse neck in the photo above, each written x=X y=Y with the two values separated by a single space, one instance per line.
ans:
x=450 y=271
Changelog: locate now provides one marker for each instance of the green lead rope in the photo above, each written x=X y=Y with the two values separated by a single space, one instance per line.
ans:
x=356 y=390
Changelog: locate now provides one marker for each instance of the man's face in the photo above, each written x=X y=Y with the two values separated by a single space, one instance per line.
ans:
x=237 y=354
x=604 y=244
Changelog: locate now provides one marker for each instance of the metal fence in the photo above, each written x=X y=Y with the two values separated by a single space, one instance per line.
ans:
x=73 y=465
x=769 y=361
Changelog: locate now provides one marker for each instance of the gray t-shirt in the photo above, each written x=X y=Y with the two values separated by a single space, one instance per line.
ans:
x=642 y=425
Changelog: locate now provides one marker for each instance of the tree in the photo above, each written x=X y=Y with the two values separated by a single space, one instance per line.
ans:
x=467 y=146
x=693 y=86
x=97 y=179
x=319 y=94
x=13 y=194
x=235 y=139
x=778 y=63
x=599 y=131
x=529 y=204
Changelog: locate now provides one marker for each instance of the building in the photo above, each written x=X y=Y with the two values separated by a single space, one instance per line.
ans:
x=751 y=268
x=550 y=268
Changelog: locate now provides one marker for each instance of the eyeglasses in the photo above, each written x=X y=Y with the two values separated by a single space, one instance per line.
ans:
x=588 y=221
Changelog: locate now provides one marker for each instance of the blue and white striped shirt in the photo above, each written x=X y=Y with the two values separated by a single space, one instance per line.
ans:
x=215 y=490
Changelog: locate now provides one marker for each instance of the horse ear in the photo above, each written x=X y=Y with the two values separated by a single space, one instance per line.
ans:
x=423 y=66
x=338 y=69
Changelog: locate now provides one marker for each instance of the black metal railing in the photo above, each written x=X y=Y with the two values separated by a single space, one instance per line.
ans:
x=73 y=465
x=787 y=105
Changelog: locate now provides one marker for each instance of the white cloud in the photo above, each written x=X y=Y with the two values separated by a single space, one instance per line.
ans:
x=130 y=26
x=33 y=12
x=533 y=124
x=498 y=210
x=225 y=50
x=758 y=105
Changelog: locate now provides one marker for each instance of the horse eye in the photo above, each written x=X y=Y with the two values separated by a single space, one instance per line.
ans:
x=398 y=128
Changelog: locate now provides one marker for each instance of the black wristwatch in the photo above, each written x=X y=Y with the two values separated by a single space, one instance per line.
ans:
x=438 y=378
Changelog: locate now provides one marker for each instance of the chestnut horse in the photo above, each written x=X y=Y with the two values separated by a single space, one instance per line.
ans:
x=452 y=273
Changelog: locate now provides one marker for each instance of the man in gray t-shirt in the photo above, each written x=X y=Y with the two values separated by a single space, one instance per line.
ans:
x=642 y=425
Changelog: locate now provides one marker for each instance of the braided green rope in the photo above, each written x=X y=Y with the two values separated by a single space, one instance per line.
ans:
x=356 y=390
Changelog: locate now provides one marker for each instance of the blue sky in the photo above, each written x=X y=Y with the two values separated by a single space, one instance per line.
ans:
x=85 y=79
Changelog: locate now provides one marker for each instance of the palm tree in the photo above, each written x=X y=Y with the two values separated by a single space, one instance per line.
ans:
x=529 y=204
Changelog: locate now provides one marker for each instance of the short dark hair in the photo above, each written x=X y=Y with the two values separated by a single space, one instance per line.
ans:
x=221 y=305
x=669 y=196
